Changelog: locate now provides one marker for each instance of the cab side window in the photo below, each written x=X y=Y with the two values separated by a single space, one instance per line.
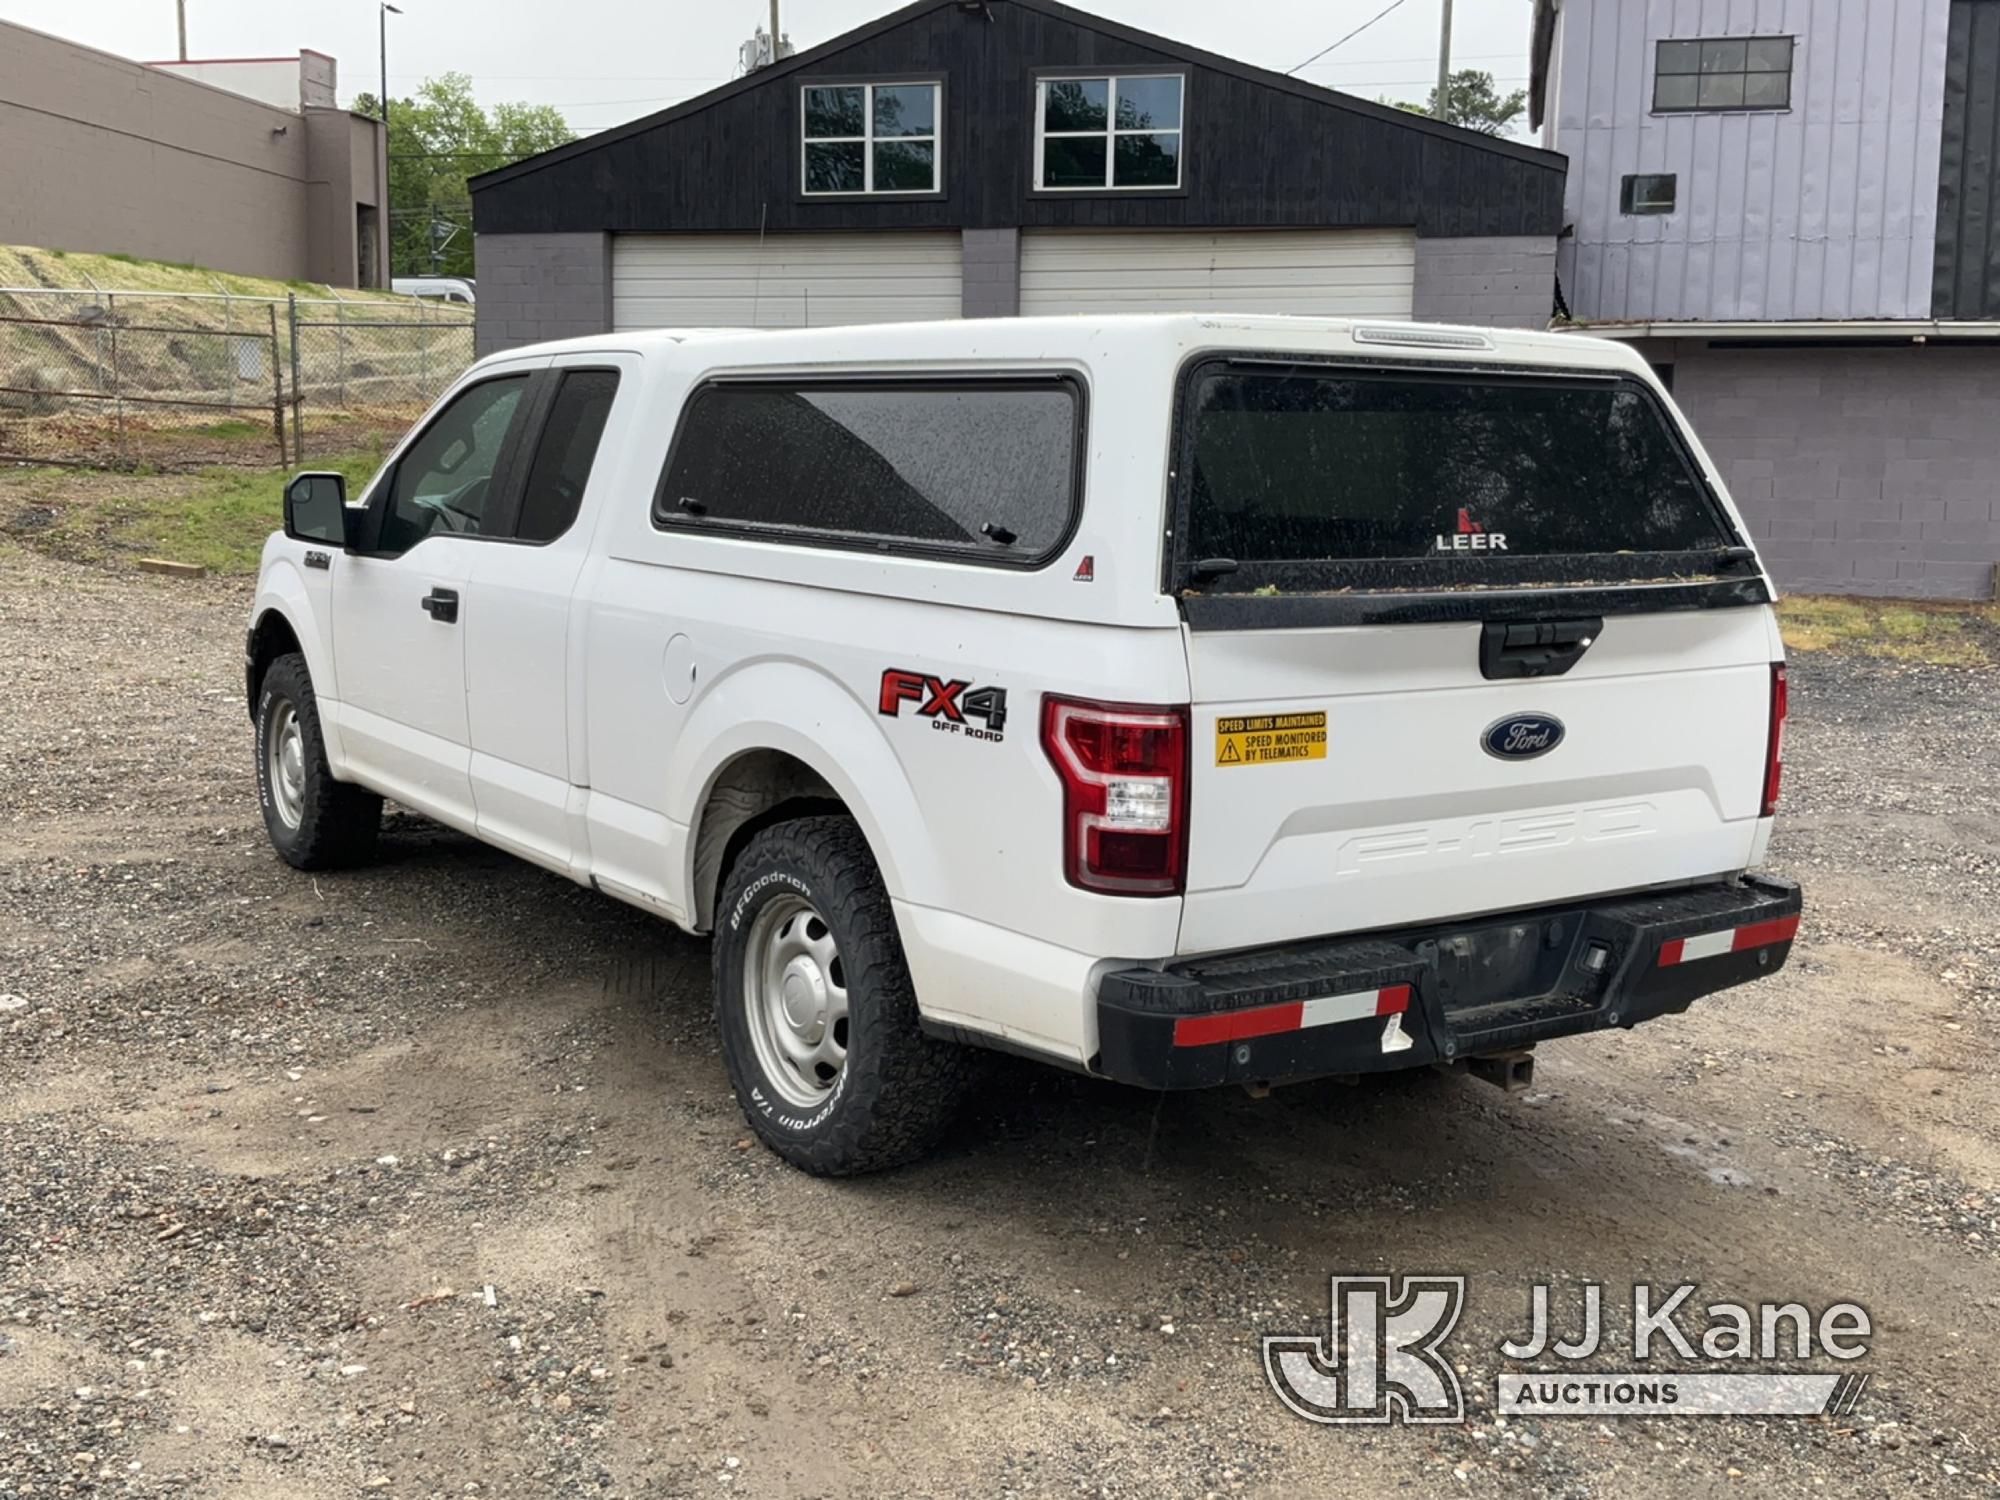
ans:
x=565 y=452
x=444 y=483
x=985 y=469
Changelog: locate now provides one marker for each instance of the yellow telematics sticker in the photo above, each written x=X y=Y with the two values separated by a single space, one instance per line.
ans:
x=1267 y=739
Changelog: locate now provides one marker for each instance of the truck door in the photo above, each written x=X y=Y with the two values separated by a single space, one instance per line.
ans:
x=518 y=631
x=399 y=606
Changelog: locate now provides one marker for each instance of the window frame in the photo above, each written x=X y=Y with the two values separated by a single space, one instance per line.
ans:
x=1038 y=102
x=1385 y=590
x=1631 y=205
x=504 y=484
x=1790 y=73
x=668 y=519
x=552 y=379
x=868 y=83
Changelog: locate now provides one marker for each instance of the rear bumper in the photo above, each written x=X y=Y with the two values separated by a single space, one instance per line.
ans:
x=1438 y=994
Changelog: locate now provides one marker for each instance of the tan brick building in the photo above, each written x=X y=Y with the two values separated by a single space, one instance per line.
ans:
x=106 y=154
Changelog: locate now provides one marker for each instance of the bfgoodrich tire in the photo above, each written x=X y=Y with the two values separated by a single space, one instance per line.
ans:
x=315 y=822
x=817 y=1014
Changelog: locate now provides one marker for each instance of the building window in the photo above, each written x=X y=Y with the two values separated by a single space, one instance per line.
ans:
x=870 y=138
x=1094 y=134
x=1646 y=193
x=1738 y=72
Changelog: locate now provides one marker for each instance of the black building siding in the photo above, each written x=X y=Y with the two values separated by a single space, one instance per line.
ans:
x=1965 y=281
x=1254 y=153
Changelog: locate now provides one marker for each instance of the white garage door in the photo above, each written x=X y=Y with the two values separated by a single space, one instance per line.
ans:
x=1334 y=272
x=782 y=281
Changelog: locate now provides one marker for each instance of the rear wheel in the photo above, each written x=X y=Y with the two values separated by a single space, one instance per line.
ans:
x=314 y=821
x=816 y=1010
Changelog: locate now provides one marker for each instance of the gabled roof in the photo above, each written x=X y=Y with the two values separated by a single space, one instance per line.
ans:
x=1194 y=56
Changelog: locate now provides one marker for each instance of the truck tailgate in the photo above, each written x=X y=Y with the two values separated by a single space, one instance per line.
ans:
x=1341 y=779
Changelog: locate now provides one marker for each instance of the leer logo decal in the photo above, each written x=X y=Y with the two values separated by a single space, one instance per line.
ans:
x=1471 y=537
x=949 y=703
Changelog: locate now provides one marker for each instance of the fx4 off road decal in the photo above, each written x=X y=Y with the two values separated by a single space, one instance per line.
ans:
x=949 y=703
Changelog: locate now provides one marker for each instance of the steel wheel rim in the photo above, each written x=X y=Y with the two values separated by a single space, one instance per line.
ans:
x=285 y=754
x=795 y=1000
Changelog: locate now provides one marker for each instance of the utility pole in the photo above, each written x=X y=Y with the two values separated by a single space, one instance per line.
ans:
x=1445 y=67
x=388 y=194
x=181 y=17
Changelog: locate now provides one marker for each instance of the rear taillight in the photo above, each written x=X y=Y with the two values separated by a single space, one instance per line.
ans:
x=1124 y=771
x=1774 y=751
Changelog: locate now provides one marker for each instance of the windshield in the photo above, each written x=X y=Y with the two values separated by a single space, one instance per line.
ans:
x=1296 y=465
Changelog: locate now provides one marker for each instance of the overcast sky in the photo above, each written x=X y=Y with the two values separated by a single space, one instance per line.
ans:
x=603 y=62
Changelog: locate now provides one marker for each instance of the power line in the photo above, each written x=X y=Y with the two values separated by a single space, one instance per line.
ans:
x=597 y=77
x=1392 y=5
x=1367 y=62
x=1347 y=86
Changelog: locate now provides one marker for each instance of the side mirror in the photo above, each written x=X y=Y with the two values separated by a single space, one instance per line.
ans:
x=316 y=509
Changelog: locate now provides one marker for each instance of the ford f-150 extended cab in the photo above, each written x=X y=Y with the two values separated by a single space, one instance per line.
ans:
x=1186 y=700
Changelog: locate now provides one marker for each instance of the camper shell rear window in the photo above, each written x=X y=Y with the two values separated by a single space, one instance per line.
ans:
x=1313 y=477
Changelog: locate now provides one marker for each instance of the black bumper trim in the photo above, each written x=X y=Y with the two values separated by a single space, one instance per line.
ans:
x=1495 y=983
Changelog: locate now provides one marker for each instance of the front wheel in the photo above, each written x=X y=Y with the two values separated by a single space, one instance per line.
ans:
x=817 y=1013
x=315 y=822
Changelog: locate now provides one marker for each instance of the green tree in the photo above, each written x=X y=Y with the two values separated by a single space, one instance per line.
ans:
x=436 y=141
x=1472 y=101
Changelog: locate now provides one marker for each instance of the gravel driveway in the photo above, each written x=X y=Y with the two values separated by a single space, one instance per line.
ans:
x=426 y=1180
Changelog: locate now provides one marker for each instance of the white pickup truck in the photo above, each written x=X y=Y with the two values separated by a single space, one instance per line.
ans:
x=1180 y=699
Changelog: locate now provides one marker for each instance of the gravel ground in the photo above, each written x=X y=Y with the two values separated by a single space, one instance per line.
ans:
x=425 y=1180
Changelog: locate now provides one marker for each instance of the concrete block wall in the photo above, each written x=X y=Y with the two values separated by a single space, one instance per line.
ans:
x=1503 y=281
x=1869 y=471
x=541 y=286
x=992 y=287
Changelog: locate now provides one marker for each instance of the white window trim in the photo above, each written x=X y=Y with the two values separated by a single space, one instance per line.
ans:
x=1109 y=134
x=867 y=141
x=1789 y=73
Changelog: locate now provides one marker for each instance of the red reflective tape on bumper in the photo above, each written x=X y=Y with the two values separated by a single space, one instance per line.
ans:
x=1296 y=1015
x=1238 y=1025
x=1729 y=940
x=1762 y=934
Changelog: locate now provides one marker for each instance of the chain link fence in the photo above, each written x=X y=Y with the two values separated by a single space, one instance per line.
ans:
x=180 y=380
x=362 y=372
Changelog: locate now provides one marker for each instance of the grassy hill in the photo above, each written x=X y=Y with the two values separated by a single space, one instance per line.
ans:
x=112 y=359
x=76 y=270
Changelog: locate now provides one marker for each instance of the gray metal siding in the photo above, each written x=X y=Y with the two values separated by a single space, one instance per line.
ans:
x=1827 y=210
x=1966 y=281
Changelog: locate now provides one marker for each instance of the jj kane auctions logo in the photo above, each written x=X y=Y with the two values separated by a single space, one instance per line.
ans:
x=1381 y=1358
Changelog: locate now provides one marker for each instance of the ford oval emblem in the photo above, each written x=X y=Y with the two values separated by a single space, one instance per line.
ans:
x=1522 y=736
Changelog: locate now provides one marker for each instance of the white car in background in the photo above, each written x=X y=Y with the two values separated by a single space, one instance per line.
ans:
x=458 y=289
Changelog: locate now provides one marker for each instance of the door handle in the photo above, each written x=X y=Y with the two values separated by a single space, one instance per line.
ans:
x=1535 y=648
x=441 y=605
